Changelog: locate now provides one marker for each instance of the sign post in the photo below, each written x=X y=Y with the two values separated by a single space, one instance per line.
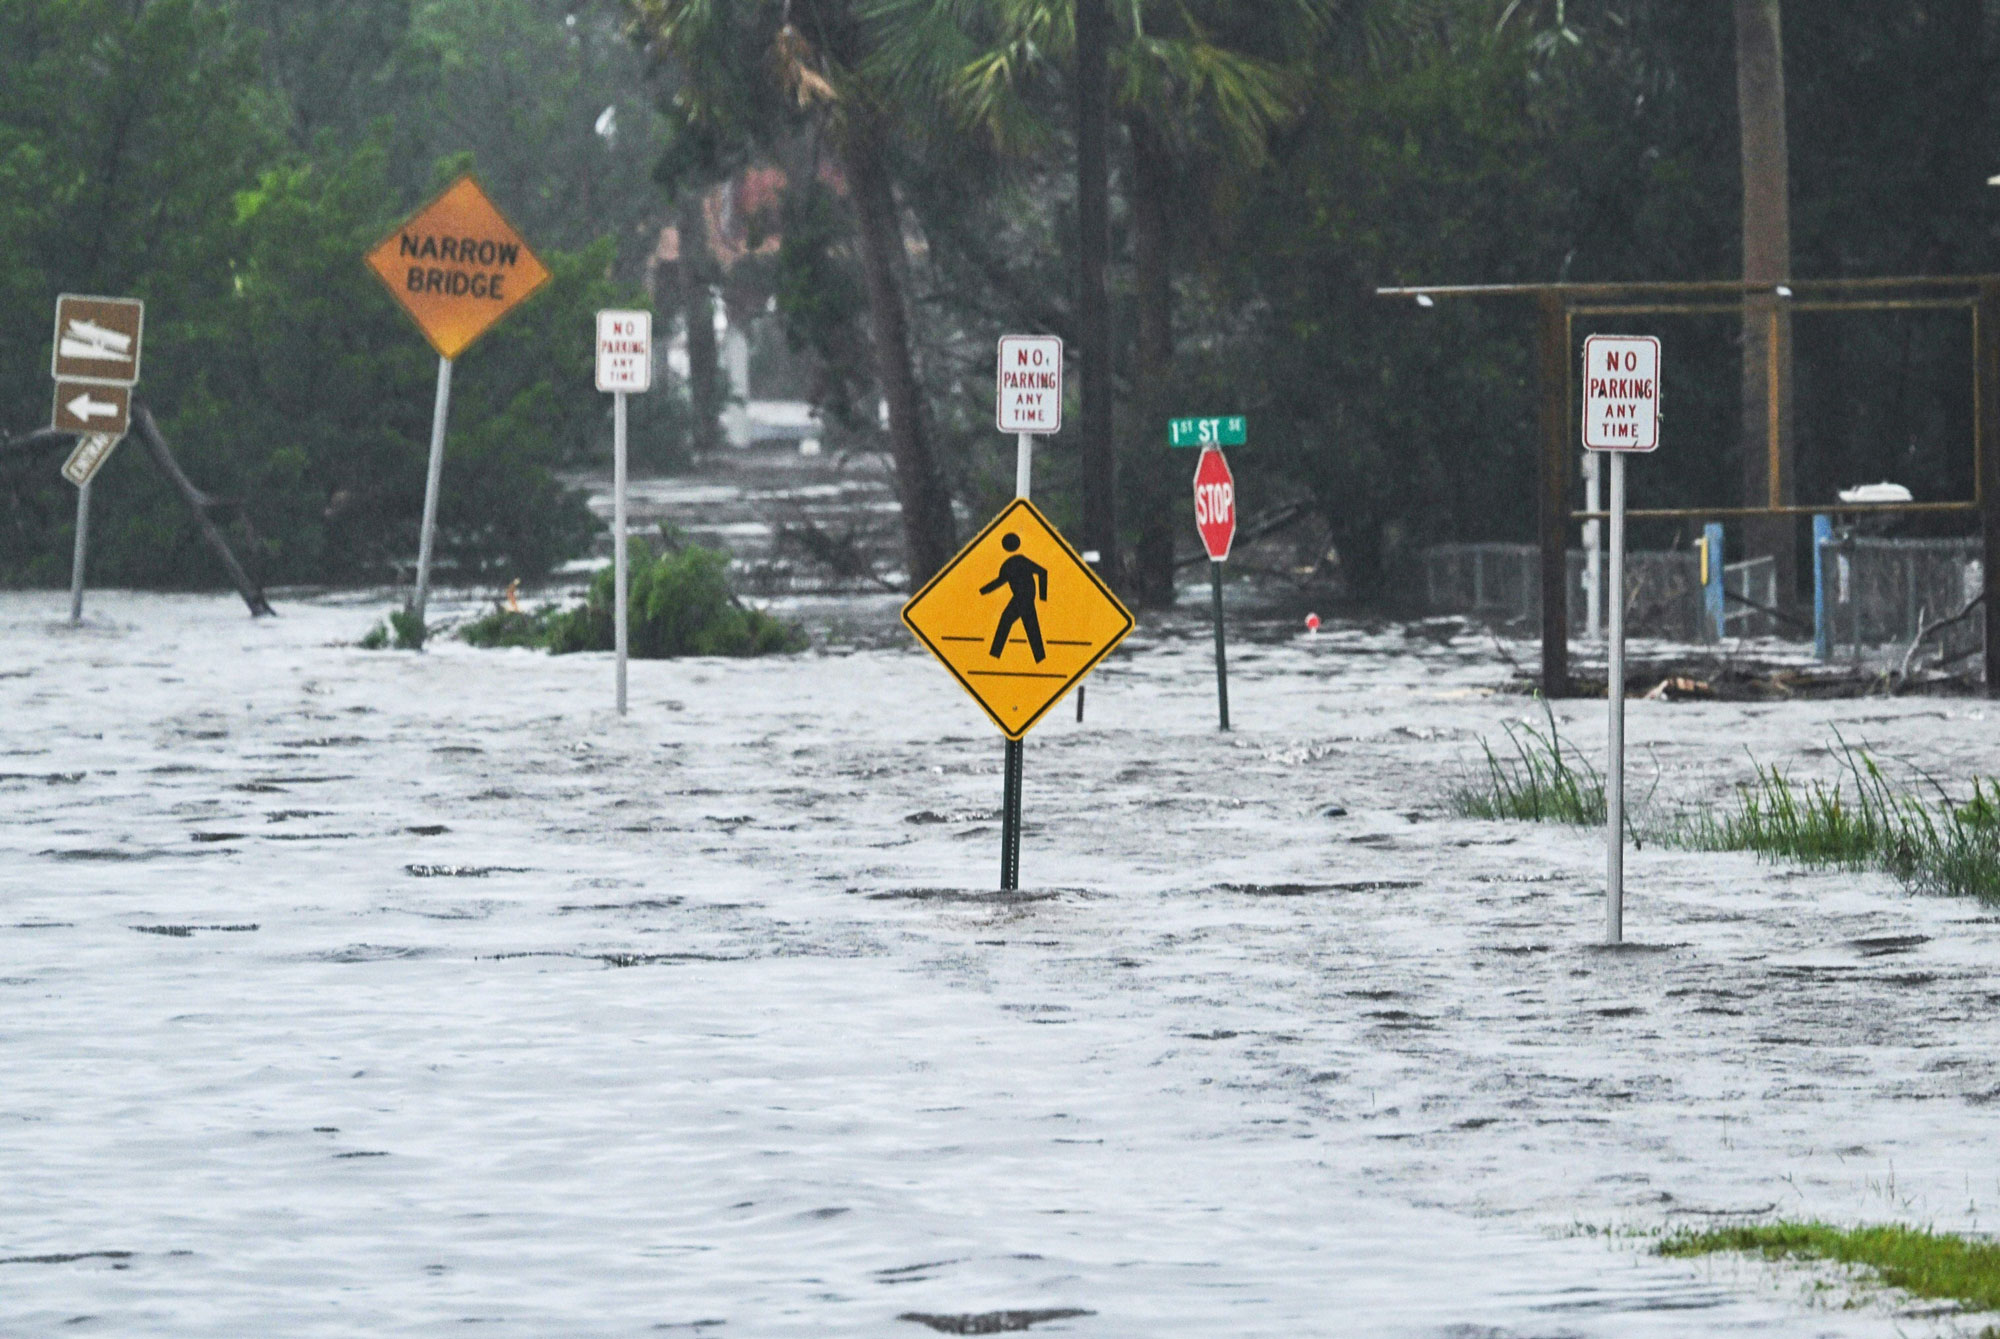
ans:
x=1019 y=618
x=1028 y=395
x=95 y=365
x=1027 y=401
x=456 y=266
x=624 y=364
x=1215 y=519
x=1621 y=414
x=77 y=554
x=1593 y=548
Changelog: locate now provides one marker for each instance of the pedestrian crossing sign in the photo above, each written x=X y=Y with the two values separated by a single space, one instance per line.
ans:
x=1018 y=618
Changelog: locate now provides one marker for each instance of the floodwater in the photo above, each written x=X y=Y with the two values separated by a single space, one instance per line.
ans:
x=371 y=993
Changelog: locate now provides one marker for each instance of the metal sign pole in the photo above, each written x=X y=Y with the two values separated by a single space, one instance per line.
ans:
x=1090 y=556
x=1221 y=657
x=1593 y=549
x=431 y=481
x=76 y=560
x=620 y=559
x=1010 y=823
x=1614 y=780
x=1010 y=792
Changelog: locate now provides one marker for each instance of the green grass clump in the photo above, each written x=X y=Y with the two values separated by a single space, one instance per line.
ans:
x=1538 y=782
x=1921 y=1263
x=1861 y=821
x=502 y=627
x=680 y=605
x=401 y=629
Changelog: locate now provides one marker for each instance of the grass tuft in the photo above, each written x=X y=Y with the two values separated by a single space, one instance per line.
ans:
x=681 y=605
x=1860 y=821
x=402 y=630
x=1538 y=783
x=1920 y=1262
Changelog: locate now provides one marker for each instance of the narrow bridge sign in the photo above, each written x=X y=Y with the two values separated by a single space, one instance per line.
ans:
x=457 y=266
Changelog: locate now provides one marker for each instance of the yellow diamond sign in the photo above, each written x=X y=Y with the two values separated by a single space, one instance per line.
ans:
x=1018 y=618
x=457 y=266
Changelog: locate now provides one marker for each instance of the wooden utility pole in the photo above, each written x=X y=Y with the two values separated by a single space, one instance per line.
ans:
x=1986 y=401
x=1556 y=452
x=1767 y=260
x=1093 y=299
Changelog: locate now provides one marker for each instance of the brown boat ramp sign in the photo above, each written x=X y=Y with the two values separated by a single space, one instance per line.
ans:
x=1018 y=618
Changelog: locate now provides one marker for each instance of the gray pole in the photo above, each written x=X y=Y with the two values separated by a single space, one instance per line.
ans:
x=1593 y=551
x=618 y=559
x=1012 y=767
x=1221 y=658
x=422 y=598
x=1614 y=778
x=76 y=560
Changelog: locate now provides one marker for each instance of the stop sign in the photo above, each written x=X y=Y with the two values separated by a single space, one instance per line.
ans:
x=1215 y=504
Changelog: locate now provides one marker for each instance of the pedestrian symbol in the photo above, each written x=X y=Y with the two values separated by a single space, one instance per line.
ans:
x=1028 y=581
x=1018 y=618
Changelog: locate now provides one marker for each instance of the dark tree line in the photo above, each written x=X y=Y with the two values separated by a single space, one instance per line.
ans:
x=1200 y=196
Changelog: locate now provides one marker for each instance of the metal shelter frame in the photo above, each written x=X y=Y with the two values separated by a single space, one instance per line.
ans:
x=1558 y=305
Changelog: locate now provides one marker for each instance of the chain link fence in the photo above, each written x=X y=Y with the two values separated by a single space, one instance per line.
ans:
x=1883 y=592
x=1501 y=584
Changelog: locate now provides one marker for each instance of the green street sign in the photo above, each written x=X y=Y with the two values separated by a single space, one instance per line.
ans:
x=1207 y=431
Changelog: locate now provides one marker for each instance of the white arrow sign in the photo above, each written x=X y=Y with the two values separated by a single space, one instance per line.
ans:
x=87 y=409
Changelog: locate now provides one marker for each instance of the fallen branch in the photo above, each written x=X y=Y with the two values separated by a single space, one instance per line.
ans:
x=1284 y=517
x=41 y=439
x=1929 y=630
x=199 y=503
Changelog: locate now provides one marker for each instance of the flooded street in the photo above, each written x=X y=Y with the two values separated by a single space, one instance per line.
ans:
x=351 y=992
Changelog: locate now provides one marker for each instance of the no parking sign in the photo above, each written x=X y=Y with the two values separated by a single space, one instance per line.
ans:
x=1621 y=393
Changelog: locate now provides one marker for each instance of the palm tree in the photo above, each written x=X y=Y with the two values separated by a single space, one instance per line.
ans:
x=1183 y=94
x=1093 y=293
x=696 y=284
x=750 y=72
x=1187 y=97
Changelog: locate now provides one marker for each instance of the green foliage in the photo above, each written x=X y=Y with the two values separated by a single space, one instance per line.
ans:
x=501 y=627
x=402 y=630
x=819 y=289
x=230 y=161
x=1539 y=783
x=1918 y=1261
x=1860 y=821
x=681 y=605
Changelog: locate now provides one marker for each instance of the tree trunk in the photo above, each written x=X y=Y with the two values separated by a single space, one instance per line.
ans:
x=1093 y=300
x=1152 y=478
x=1767 y=259
x=697 y=276
x=927 y=520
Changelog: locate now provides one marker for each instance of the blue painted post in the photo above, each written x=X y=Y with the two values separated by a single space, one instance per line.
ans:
x=1822 y=616
x=1711 y=577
